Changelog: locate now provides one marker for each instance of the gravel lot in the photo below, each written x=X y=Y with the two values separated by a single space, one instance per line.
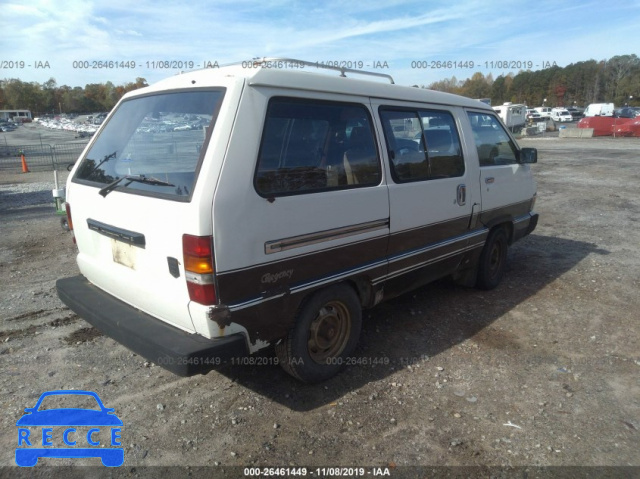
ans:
x=542 y=371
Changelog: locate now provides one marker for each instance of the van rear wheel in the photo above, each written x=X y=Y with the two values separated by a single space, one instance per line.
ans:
x=326 y=332
x=493 y=260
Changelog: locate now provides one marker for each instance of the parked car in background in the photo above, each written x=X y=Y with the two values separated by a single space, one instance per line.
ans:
x=544 y=111
x=626 y=112
x=576 y=113
x=8 y=126
x=533 y=115
x=561 y=115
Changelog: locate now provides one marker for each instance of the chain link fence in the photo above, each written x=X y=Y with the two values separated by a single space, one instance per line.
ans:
x=41 y=157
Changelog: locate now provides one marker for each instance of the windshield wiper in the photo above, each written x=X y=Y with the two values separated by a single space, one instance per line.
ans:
x=130 y=179
x=105 y=159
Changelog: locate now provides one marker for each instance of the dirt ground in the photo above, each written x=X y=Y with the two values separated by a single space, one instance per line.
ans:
x=542 y=371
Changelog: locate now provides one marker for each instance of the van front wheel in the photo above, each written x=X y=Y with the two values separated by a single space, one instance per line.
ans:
x=326 y=332
x=493 y=260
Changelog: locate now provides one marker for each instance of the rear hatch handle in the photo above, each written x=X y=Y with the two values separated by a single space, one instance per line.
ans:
x=130 y=179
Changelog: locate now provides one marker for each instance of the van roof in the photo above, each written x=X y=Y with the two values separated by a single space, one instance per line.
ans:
x=309 y=77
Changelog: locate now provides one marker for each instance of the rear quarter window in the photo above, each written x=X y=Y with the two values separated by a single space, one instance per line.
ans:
x=310 y=146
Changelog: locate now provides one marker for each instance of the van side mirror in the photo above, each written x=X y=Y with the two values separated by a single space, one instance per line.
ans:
x=528 y=155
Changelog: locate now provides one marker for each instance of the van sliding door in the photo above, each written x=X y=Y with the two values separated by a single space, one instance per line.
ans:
x=431 y=190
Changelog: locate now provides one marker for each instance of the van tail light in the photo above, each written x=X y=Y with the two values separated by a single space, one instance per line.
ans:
x=67 y=208
x=199 y=269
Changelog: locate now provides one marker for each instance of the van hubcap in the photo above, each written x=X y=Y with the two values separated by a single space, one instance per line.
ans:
x=329 y=332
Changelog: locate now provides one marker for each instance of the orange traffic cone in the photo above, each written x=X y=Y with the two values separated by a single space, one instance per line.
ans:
x=25 y=168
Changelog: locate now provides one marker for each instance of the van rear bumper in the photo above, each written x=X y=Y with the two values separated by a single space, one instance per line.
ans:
x=180 y=352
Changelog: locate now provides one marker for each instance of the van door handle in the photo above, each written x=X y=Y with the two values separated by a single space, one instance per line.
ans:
x=461 y=197
x=489 y=180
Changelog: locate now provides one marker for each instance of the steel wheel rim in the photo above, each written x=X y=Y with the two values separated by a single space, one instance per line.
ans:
x=329 y=332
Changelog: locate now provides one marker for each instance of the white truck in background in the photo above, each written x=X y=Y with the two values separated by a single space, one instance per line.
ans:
x=599 y=109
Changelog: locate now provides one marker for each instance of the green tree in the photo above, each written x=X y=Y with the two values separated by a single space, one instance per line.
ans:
x=478 y=86
x=448 y=85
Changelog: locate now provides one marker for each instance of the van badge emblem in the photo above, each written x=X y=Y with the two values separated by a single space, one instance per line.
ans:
x=268 y=278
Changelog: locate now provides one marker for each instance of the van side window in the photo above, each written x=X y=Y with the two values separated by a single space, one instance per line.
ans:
x=310 y=146
x=492 y=141
x=422 y=144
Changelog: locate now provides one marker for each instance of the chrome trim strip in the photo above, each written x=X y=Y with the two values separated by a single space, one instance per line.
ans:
x=309 y=285
x=284 y=244
x=350 y=272
x=522 y=218
x=433 y=246
x=301 y=255
x=413 y=267
x=335 y=277
x=198 y=278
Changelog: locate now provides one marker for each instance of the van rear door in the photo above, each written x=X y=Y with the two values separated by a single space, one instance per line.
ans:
x=131 y=199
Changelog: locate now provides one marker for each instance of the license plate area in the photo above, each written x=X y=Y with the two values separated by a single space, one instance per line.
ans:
x=124 y=253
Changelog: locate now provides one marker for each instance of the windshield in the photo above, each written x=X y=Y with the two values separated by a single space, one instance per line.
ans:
x=158 y=137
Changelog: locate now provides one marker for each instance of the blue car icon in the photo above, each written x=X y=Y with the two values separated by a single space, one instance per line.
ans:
x=71 y=427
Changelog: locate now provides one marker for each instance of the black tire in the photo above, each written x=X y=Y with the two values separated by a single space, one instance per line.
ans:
x=326 y=332
x=493 y=260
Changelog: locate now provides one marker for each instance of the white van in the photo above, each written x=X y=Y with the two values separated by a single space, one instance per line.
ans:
x=223 y=211
x=599 y=109
x=561 y=115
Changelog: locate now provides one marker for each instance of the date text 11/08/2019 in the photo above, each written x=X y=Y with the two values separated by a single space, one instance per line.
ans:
x=274 y=361
x=317 y=471
x=349 y=64
x=490 y=64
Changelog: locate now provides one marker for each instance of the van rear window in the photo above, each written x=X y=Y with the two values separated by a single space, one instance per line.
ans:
x=158 y=138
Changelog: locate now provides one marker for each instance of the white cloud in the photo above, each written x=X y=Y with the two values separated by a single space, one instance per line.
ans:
x=14 y=9
x=395 y=31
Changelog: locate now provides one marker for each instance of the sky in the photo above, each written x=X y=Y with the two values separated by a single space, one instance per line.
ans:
x=417 y=42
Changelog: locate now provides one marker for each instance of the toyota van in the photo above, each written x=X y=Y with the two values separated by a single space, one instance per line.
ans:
x=265 y=204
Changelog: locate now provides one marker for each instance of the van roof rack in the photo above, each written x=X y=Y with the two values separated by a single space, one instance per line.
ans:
x=343 y=70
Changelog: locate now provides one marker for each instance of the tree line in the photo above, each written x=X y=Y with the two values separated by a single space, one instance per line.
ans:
x=616 y=80
x=49 y=98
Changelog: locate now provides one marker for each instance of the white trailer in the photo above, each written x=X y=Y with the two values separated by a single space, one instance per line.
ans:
x=513 y=115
